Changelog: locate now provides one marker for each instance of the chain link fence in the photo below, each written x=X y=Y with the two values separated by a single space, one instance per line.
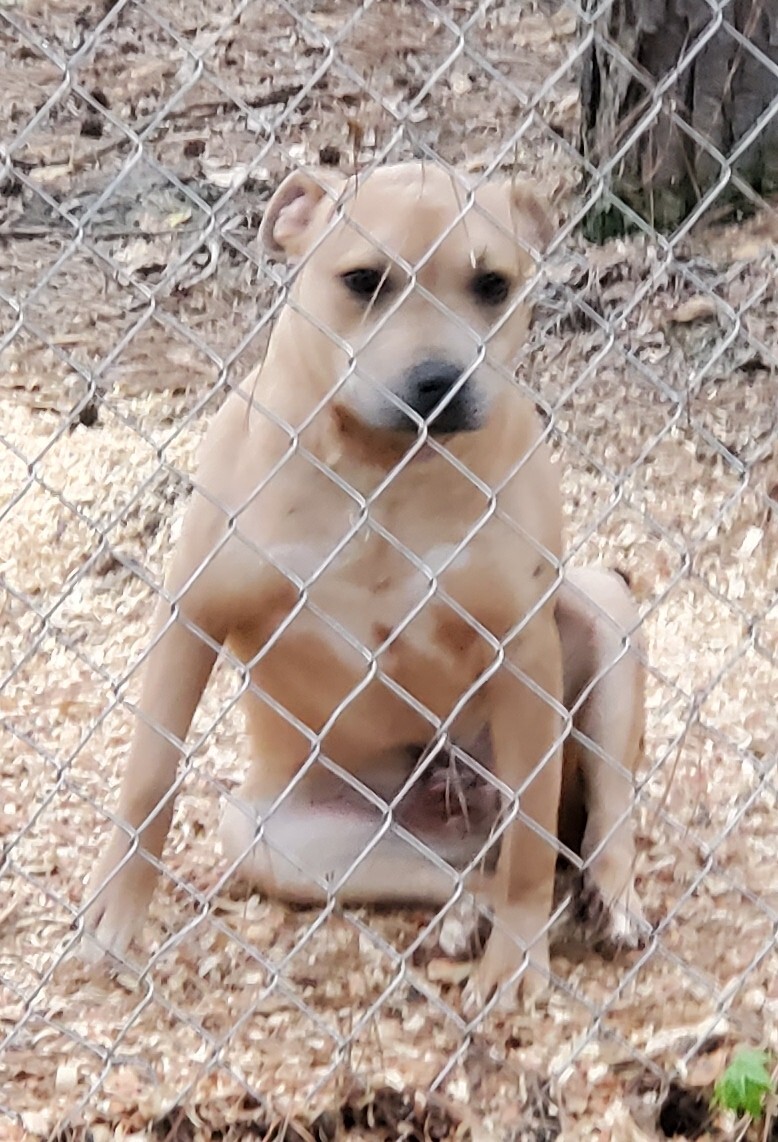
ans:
x=140 y=144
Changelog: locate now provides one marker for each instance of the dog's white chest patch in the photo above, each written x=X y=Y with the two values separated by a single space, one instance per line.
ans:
x=441 y=556
x=361 y=590
x=308 y=560
x=305 y=561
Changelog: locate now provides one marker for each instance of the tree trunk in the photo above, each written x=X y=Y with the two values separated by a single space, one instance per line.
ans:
x=725 y=94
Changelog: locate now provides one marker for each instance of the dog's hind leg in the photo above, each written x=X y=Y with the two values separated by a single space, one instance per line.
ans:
x=596 y=614
x=307 y=848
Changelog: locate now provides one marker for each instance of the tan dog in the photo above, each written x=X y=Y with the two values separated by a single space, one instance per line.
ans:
x=379 y=588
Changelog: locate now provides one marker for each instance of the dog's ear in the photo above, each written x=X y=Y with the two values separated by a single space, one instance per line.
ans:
x=288 y=216
x=530 y=216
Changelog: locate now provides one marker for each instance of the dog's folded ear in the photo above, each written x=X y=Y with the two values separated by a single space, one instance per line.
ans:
x=286 y=225
x=530 y=216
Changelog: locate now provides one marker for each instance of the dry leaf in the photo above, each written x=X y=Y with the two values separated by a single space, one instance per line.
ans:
x=66 y=1078
x=140 y=254
x=53 y=173
x=448 y=971
x=178 y=217
x=705 y=1069
x=37 y=1122
x=564 y=23
x=751 y=249
x=695 y=308
x=753 y=538
x=225 y=177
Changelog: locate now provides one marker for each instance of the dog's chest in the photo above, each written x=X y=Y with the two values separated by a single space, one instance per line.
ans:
x=371 y=588
x=373 y=622
x=397 y=601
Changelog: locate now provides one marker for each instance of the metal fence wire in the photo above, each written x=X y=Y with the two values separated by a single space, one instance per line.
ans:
x=139 y=145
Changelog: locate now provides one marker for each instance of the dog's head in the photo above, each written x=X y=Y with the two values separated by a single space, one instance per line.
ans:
x=407 y=284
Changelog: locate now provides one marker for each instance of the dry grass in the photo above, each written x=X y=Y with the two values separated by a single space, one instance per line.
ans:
x=666 y=435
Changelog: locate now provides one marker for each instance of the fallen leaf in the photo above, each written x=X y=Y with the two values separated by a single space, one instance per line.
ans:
x=66 y=1078
x=697 y=307
x=178 y=217
x=753 y=538
x=52 y=173
x=141 y=254
x=225 y=177
x=705 y=1069
x=751 y=249
x=448 y=971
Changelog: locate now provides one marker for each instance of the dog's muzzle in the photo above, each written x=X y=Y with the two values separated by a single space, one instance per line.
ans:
x=426 y=385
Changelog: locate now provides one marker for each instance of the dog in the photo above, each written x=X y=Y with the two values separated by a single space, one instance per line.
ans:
x=375 y=534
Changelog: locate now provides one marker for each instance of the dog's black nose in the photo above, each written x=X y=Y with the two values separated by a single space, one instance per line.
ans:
x=428 y=382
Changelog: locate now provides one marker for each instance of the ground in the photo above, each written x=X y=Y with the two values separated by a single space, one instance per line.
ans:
x=131 y=291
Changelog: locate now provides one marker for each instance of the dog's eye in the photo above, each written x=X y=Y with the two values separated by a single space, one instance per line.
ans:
x=365 y=283
x=491 y=288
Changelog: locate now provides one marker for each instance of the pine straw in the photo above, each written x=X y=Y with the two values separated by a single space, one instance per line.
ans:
x=252 y=1018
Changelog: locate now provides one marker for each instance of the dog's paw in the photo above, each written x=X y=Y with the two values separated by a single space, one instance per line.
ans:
x=616 y=920
x=115 y=915
x=108 y=932
x=507 y=974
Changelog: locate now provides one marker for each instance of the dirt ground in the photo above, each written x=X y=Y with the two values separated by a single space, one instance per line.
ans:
x=131 y=291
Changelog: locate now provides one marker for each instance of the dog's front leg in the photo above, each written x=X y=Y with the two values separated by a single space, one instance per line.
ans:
x=177 y=670
x=524 y=700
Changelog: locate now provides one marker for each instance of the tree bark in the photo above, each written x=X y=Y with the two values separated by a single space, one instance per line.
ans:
x=719 y=94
